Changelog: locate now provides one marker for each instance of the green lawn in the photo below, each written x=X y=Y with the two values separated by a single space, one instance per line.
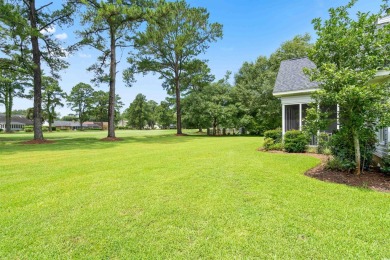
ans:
x=155 y=195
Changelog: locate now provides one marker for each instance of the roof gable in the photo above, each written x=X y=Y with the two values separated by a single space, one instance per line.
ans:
x=291 y=77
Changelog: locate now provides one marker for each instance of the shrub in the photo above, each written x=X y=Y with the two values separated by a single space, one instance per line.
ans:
x=323 y=142
x=341 y=146
x=385 y=165
x=295 y=141
x=277 y=147
x=337 y=164
x=28 y=128
x=268 y=142
x=45 y=128
x=275 y=135
x=1 y=130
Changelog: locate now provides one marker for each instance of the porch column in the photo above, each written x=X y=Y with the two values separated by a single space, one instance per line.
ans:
x=300 y=117
x=283 y=119
x=338 y=113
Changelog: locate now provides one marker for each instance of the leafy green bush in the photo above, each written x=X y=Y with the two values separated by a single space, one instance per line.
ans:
x=28 y=128
x=277 y=147
x=342 y=148
x=323 y=142
x=295 y=141
x=1 y=130
x=45 y=128
x=268 y=142
x=275 y=135
x=122 y=127
x=337 y=164
x=385 y=165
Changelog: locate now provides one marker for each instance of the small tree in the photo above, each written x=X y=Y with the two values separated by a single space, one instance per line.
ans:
x=348 y=54
x=137 y=113
x=176 y=34
x=52 y=96
x=80 y=101
x=165 y=114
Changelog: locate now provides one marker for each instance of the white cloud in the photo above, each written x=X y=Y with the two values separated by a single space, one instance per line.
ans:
x=84 y=55
x=49 y=30
x=61 y=36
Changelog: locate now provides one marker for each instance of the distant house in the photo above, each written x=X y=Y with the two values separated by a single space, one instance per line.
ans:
x=18 y=122
x=73 y=125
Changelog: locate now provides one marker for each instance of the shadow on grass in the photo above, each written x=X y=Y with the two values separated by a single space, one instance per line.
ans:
x=14 y=144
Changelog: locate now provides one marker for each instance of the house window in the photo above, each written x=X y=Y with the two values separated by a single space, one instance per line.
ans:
x=292 y=117
x=382 y=135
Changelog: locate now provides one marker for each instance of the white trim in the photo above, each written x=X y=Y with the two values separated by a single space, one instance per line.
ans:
x=382 y=73
x=296 y=92
x=283 y=119
x=300 y=116
x=384 y=20
x=338 y=118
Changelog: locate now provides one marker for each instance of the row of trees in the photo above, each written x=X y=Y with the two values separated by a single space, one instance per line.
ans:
x=175 y=35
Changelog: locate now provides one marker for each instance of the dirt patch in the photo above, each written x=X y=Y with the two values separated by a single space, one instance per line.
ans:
x=111 y=139
x=38 y=142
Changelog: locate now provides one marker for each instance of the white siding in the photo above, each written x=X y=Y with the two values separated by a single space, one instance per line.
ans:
x=294 y=100
x=382 y=148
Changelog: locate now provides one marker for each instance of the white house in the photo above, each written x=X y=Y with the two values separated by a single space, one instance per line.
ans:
x=294 y=89
x=17 y=122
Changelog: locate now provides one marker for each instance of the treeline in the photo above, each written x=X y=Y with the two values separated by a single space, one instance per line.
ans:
x=165 y=38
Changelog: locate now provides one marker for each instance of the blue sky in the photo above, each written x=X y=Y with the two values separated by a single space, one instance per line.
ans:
x=251 y=28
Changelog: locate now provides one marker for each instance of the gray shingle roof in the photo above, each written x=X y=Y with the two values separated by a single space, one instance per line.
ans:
x=291 y=77
x=16 y=119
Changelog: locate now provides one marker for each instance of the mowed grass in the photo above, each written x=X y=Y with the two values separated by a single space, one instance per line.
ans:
x=155 y=195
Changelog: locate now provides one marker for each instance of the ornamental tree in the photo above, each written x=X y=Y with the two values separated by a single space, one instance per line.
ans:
x=348 y=54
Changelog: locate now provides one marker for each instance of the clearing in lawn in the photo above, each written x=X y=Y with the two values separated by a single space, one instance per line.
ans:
x=156 y=195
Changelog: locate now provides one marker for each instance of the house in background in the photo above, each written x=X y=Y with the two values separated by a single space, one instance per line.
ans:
x=18 y=122
x=294 y=89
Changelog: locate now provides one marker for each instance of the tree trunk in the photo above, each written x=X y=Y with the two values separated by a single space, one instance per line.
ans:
x=8 y=108
x=51 y=113
x=356 y=144
x=111 y=99
x=37 y=113
x=215 y=126
x=37 y=117
x=200 y=129
x=178 y=110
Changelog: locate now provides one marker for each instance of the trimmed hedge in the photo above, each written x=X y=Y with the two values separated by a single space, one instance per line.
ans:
x=275 y=135
x=295 y=141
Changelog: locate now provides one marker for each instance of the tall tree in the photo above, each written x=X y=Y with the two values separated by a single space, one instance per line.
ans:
x=152 y=113
x=32 y=25
x=258 y=109
x=165 y=114
x=110 y=25
x=137 y=113
x=176 y=34
x=11 y=86
x=52 y=96
x=80 y=101
x=348 y=53
x=99 y=112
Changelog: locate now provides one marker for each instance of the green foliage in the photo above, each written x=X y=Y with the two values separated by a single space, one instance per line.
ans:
x=258 y=109
x=165 y=114
x=270 y=144
x=275 y=135
x=175 y=35
x=295 y=141
x=385 y=164
x=342 y=147
x=323 y=143
x=28 y=128
x=348 y=52
x=80 y=100
x=138 y=112
x=338 y=164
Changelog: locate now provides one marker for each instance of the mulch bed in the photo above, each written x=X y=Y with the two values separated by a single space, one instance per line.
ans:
x=38 y=142
x=111 y=139
x=372 y=179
